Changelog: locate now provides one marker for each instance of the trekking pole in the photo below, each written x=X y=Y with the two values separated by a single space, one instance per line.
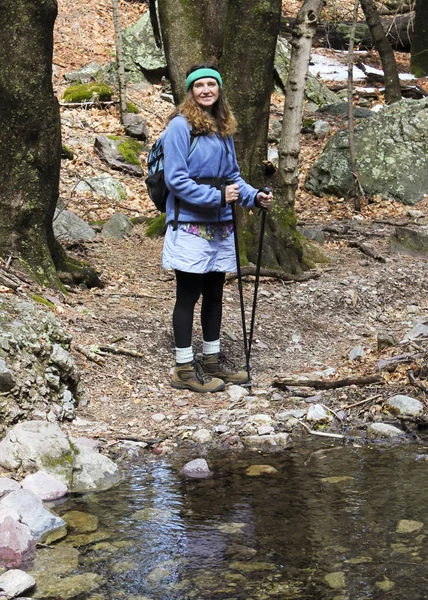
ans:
x=241 y=291
x=266 y=190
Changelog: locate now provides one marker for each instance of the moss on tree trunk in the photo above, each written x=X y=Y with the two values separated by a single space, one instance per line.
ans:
x=30 y=137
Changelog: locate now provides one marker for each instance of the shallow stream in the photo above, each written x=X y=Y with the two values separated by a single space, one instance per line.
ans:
x=333 y=522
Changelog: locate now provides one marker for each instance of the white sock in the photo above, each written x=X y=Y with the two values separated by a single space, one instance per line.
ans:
x=210 y=347
x=183 y=355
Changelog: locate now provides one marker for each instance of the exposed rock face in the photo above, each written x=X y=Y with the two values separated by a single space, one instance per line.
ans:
x=141 y=55
x=391 y=153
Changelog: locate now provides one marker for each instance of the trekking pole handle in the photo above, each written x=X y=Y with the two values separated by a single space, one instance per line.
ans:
x=265 y=190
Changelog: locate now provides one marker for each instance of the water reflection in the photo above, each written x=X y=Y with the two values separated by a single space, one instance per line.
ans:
x=333 y=522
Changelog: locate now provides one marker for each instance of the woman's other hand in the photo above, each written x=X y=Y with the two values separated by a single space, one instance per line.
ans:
x=264 y=200
x=232 y=193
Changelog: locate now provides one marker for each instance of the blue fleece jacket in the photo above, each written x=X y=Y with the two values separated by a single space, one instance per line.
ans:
x=200 y=203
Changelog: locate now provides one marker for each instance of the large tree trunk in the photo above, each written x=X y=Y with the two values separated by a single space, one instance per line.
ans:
x=392 y=81
x=419 y=50
x=30 y=140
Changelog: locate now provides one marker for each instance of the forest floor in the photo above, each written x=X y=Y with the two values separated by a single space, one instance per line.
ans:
x=302 y=328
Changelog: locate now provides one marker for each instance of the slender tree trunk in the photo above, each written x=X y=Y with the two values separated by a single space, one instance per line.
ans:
x=419 y=49
x=392 y=81
x=119 y=60
x=355 y=192
x=30 y=141
x=280 y=221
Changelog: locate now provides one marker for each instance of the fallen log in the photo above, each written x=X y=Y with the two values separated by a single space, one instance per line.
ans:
x=276 y=274
x=327 y=384
x=329 y=34
x=366 y=250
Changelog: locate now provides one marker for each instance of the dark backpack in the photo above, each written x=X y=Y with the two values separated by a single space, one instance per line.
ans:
x=155 y=180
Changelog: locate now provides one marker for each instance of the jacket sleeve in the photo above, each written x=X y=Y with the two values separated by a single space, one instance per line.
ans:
x=176 y=145
x=247 y=194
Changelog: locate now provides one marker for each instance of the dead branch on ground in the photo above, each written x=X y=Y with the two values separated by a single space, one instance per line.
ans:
x=319 y=384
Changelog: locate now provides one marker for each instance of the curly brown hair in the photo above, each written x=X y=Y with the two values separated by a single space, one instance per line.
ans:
x=220 y=120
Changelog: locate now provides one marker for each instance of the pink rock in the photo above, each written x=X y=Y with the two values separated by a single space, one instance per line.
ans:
x=7 y=485
x=45 y=486
x=16 y=544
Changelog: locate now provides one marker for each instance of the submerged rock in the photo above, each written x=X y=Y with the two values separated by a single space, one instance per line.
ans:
x=197 y=468
x=257 y=470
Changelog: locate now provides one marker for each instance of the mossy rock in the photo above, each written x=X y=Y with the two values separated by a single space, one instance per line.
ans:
x=129 y=149
x=88 y=92
x=132 y=108
x=157 y=227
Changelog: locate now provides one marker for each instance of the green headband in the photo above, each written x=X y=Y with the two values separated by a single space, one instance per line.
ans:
x=200 y=73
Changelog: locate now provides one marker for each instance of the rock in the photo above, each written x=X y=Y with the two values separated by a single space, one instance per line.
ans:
x=80 y=522
x=281 y=440
x=64 y=361
x=335 y=581
x=68 y=226
x=158 y=417
x=196 y=469
x=66 y=588
x=408 y=526
x=88 y=92
x=8 y=485
x=410 y=241
x=386 y=340
x=33 y=514
x=257 y=470
x=85 y=74
x=92 y=470
x=285 y=415
x=419 y=330
x=338 y=109
x=384 y=430
x=399 y=172
x=202 y=436
x=317 y=414
x=152 y=514
x=15 y=582
x=141 y=55
x=109 y=151
x=17 y=545
x=356 y=353
x=237 y=393
x=313 y=234
x=260 y=419
x=44 y=486
x=7 y=380
x=57 y=560
x=104 y=185
x=405 y=405
x=321 y=129
x=265 y=430
x=415 y=214
x=119 y=226
x=136 y=127
x=38 y=446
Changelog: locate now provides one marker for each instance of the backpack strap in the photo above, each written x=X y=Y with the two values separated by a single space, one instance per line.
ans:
x=193 y=141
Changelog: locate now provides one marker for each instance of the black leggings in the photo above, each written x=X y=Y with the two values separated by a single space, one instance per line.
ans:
x=189 y=288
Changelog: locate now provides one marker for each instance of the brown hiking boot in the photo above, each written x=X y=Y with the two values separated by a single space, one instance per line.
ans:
x=217 y=365
x=191 y=376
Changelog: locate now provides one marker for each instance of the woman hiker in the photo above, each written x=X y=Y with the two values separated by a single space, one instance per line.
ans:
x=199 y=157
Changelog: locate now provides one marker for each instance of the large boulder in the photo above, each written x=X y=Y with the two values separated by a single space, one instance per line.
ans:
x=141 y=55
x=391 y=153
x=32 y=513
x=40 y=446
x=69 y=226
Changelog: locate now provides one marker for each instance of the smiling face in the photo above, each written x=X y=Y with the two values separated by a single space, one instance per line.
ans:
x=205 y=92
